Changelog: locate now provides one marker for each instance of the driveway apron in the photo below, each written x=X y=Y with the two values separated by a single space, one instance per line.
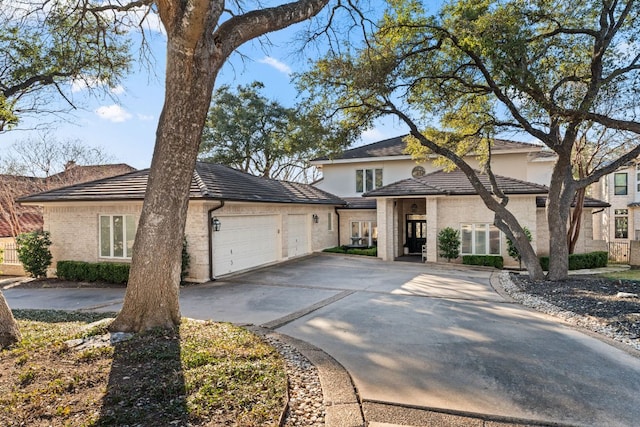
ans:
x=415 y=336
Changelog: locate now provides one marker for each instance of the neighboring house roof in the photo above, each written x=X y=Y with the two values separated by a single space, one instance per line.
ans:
x=589 y=202
x=453 y=183
x=74 y=174
x=396 y=147
x=210 y=181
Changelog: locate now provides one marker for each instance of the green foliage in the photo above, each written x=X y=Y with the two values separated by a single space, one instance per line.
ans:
x=186 y=260
x=449 y=243
x=249 y=132
x=373 y=251
x=33 y=252
x=484 y=260
x=512 y=250
x=109 y=272
x=43 y=50
x=580 y=261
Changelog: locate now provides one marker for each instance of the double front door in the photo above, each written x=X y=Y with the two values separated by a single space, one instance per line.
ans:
x=416 y=234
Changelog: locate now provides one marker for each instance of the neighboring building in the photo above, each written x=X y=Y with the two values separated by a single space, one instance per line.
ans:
x=261 y=221
x=406 y=204
x=621 y=222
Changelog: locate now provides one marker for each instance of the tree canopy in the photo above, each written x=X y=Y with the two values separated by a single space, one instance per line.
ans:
x=551 y=71
x=249 y=132
x=46 y=48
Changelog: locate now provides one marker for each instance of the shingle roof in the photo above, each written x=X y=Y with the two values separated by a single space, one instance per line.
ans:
x=359 y=203
x=453 y=183
x=589 y=202
x=210 y=181
x=396 y=146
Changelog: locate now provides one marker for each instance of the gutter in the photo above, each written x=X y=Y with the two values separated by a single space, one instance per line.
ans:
x=210 y=234
x=338 y=215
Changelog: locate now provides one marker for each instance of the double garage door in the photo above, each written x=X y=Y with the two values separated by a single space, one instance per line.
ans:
x=249 y=241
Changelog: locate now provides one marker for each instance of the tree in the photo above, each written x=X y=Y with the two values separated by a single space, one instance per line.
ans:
x=247 y=131
x=200 y=37
x=512 y=249
x=548 y=70
x=44 y=50
x=9 y=331
x=449 y=243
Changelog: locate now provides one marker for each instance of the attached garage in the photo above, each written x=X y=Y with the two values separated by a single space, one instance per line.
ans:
x=245 y=242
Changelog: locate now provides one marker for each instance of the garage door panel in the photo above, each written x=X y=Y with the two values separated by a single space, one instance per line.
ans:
x=298 y=235
x=244 y=242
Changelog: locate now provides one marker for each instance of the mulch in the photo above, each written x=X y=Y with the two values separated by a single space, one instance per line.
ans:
x=592 y=296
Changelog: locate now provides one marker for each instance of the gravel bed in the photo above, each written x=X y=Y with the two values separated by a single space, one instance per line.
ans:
x=605 y=306
x=306 y=403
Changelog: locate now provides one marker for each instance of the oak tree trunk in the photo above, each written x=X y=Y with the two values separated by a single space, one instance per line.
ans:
x=152 y=296
x=9 y=332
x=561 y=194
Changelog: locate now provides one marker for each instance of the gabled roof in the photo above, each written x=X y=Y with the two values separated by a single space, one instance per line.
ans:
x=395 y=147
x=210 y=181
x=453 y=183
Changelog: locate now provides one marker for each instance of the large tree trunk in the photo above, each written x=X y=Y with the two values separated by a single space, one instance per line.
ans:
x=9 y=332
x=152 y=296
x=561 y=194
x=197 y=47
x=576 y=220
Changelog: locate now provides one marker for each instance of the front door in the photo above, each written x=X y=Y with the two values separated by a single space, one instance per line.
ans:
x=416 y=234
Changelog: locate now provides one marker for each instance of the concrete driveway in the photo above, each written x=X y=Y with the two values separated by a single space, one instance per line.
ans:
x=418 y=336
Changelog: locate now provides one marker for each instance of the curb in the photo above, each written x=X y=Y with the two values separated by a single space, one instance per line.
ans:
x=342 y=405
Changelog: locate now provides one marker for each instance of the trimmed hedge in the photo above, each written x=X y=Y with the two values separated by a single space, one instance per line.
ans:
x=484 y=260
x=580 y=261
x=353 y=251
x=93 y=271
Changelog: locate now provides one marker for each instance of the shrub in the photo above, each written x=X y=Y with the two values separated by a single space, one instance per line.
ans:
x=373 y=251
x=580 y=261
x=449 y=243
x=33 y=252
x=93 y=272
x=484 y=260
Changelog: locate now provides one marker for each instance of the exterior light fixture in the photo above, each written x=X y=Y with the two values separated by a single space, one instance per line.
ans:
x=215 y=224
x=315 y=218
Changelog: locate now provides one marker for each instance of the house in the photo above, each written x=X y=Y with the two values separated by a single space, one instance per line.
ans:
x=16 y=218
x=235 y=221
x=619 y=224
x=401 y=205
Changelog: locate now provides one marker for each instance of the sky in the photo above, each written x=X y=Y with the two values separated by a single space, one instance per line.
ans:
x=123 y=123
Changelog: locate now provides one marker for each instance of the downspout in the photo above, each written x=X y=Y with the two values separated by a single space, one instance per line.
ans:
x=210 y=233
x=338 y=215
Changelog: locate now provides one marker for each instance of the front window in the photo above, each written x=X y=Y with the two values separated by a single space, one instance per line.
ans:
x=638 y=178
x=368 y=179
x=117 y=233
x=364 y=233
x=620 y=184
x=480 y=239
x=621 y=218
x=329 y=221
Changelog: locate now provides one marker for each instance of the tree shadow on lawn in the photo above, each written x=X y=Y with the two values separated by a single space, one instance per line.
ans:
x=146 y=383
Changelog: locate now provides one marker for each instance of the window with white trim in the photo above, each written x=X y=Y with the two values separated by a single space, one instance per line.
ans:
x=364 y=233
x=621 y=219
x=329 y=221
x=638 y=178
x=479 y=239
x=368 y=179
x=117 y=233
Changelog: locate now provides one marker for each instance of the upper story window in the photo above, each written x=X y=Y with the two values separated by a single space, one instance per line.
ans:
x=117 y=233
x=620 y=184
x=368 y=179
x=638 y=178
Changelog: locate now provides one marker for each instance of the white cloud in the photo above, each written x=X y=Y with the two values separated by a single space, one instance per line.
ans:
x=113 y=113
x=278 y=65
x=373 y=135
x=118 y=90
x=145 y=117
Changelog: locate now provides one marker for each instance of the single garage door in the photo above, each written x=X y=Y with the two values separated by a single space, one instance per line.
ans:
x=244 y=242
x=298 y=235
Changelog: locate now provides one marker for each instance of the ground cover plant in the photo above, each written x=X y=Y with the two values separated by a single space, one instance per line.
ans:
x=205 y=373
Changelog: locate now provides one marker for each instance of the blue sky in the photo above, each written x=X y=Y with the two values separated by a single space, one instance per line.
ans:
x=124 y=124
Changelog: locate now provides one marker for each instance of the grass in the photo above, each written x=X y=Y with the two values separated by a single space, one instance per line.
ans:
x=633 y=274
x=353 y=251
x=205 y=373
